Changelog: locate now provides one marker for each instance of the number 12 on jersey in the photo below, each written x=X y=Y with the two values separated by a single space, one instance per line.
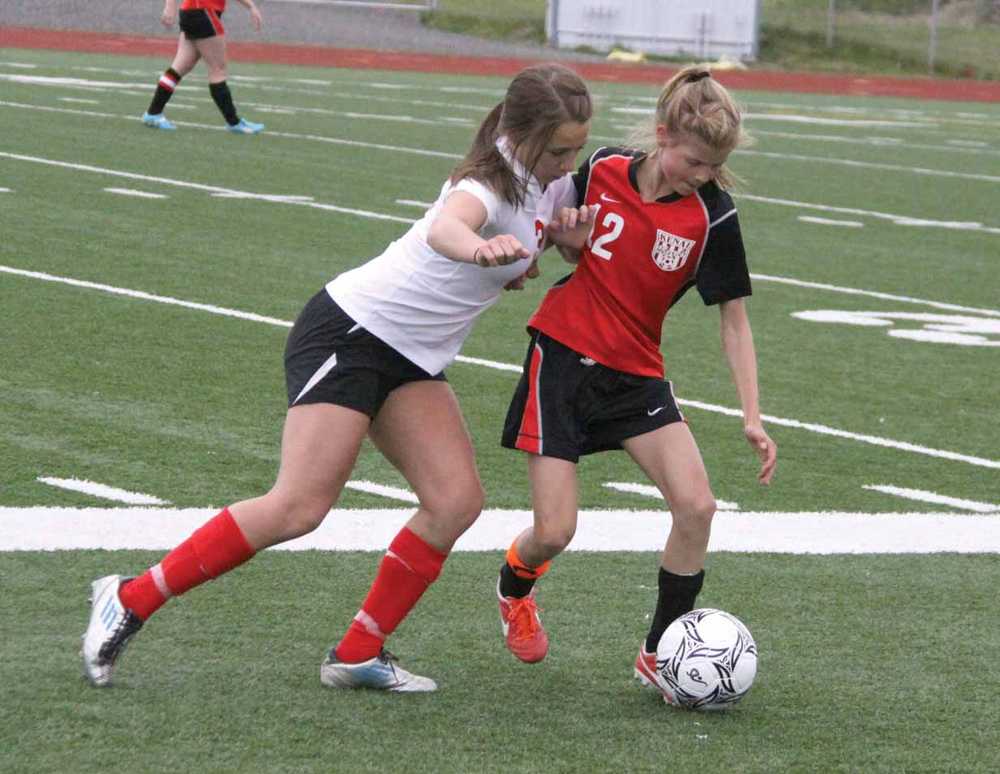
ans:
x=614 y=223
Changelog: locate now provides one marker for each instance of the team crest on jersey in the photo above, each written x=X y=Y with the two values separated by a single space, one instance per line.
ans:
x=671 y=251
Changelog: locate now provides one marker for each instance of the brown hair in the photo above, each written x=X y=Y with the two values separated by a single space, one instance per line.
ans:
x=693 y=103
x=538 y=101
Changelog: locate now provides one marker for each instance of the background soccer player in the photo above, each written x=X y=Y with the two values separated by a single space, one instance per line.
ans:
x=202 y=37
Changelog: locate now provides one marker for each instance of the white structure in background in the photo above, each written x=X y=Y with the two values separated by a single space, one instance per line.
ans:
x=710 y=29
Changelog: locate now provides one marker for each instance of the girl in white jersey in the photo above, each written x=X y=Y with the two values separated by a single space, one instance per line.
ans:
x=649 y=226
x=365 y=358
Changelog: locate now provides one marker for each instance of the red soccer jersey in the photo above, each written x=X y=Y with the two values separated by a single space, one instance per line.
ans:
x=640 y=259
x=206 y=5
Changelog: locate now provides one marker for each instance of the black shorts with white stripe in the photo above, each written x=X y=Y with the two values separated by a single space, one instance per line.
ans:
x=567 y=405
x=200 y=23
x=329 y=358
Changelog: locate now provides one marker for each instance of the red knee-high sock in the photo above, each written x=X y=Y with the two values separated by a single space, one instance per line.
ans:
x=213 y=549
x=407 y=569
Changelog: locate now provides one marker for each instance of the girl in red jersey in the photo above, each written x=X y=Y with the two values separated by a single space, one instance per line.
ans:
x=202 y=37
x=648 y=227
x=366 y=358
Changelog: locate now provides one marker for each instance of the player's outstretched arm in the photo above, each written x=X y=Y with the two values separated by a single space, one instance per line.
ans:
x=737 y=343
x=255 y=17
x=454 y=234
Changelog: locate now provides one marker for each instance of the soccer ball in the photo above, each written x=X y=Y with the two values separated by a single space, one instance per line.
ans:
x=708 y=659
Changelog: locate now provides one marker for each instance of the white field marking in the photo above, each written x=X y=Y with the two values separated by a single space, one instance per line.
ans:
x=937 y=328
x=293 y=199
x=874 y=440
x=212 y=189
x=651 y=491
x=102 y=490
x=22 y=65
x=850 y=122
x=497 y=366
x=395 y=493
x=872 y=165
x=4 y=190
x=40 y=80
x=79 y=101
x=147 y=296
x=816 y=428
x=829 y=222
x=933 y=497
x=952 y=146
x=975 y=144
x=133 y=192
x=289 y=135
x=276 y=110
x=873 y=294
x=415 y=203
x=898 y=219
x=796 y=119
x=54 y=529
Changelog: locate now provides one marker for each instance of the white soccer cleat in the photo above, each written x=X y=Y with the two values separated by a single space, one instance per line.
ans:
x=381 y=673
x=111 y=627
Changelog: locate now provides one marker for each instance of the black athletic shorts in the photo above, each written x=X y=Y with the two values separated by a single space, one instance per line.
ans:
x=200 y=23
x=566 y=405
x=329 y=358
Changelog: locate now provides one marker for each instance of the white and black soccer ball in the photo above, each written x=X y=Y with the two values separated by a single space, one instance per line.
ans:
x=708 y=659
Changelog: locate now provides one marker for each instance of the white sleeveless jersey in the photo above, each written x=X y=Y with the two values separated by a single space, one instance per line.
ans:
x=423 y=304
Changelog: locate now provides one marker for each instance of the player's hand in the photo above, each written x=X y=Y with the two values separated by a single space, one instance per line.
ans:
x=571 y=226
x=256 y=18
x=500 y=250
x=169 y=15
x=518 y=282
x=767 y=451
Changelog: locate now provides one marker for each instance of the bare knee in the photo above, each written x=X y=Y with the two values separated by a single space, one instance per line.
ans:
x=693 y=517
x=551 y=540
x=300 y=515
x=457 y=507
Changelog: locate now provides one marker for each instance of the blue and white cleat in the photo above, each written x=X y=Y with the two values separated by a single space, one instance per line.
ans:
x=380 y=673
x=159 y=121
x=111 y=627
x=245 y=127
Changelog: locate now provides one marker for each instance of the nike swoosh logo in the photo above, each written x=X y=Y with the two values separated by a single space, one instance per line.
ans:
x=606 y=198
x=654 y=412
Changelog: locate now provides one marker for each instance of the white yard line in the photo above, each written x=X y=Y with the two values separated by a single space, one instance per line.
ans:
x=873 y=294
x=924 y=171
x=211 y=189
x=270 y=133
x=794 y=423
x=54 y=529
x=381 y=490
x=103 y=491
x=901 y=220
x=133 y=192
x=651 y=491
x=829 y=222
x=937 y=499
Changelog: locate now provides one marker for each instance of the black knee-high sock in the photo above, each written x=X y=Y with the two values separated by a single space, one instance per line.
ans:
x=224 y=101
x=677 y=595
x=164 y=91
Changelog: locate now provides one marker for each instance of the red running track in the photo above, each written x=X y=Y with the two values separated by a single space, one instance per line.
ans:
x=319 y=56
